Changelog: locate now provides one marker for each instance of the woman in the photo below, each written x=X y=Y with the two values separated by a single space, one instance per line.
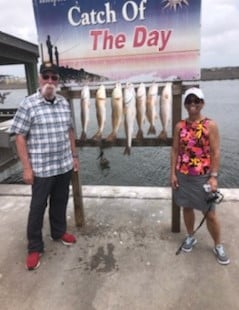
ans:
x=194 y=163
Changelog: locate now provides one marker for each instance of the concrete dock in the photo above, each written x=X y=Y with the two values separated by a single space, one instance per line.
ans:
x=124 y=258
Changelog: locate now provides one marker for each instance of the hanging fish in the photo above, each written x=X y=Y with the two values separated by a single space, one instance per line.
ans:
x=140 y=109
x=129 y=115
x=151 y=107
x=85 y=111
x=100 y=102
x=165 y=106
x=104 y=162
x=117 y=111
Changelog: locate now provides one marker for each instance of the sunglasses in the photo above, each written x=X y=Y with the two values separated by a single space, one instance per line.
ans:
x=52 y=77
x=193 y=100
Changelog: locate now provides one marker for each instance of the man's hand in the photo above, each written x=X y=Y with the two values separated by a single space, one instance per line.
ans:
x=28 y=176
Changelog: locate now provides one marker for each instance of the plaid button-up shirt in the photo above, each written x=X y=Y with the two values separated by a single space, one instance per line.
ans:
x=46 y=126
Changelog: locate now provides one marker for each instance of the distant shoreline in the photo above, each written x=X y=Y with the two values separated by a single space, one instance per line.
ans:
x=13 y=86
x=210 y=74
x=226 y=73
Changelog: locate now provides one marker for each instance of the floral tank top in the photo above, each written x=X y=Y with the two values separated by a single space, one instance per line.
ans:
x=194 y=148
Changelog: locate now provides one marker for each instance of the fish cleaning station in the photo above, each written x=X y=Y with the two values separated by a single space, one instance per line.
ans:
x=177 y=89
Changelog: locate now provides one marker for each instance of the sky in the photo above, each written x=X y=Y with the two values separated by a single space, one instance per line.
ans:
x=219 y=30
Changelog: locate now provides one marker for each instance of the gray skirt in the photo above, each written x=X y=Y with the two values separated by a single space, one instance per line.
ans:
x=191 y=194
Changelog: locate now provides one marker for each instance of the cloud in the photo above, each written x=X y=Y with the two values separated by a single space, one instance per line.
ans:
x=220 y=28
x=18 y=19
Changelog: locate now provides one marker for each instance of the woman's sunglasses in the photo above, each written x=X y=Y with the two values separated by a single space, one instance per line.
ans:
x=52 y=77
x=193 y=100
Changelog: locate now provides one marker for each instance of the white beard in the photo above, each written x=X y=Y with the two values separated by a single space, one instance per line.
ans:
x=48 y=91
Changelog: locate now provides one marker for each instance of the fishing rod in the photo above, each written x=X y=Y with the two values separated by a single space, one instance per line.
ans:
x=214 y=197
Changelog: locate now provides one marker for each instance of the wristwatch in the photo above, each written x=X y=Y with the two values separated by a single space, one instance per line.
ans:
x=214 y=174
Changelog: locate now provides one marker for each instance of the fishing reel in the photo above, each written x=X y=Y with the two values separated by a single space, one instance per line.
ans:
x=215 y=197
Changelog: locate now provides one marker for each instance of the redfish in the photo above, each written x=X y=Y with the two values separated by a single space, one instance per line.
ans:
x=117 y=111
x=152 y=97
x=129 y=101
x=85 y=111
x=140 y=109
x=165 y=106
x=100 y=102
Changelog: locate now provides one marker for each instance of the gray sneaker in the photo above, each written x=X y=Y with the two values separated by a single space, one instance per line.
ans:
x=189 y=243
x=221 y=256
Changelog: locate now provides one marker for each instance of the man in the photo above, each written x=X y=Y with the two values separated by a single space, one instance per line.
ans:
x=45 y=143
x=195 y=162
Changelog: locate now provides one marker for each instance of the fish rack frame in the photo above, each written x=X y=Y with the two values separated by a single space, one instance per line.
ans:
x=178 y=88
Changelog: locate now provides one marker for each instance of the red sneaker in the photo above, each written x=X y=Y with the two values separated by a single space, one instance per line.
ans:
x=33 y=260
x=68 y=239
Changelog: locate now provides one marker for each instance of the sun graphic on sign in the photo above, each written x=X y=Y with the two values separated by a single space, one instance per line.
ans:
x=172 y=4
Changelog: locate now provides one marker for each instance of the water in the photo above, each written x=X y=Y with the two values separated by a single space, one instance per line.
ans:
x=13 y=99
x=150 y=166
x=222 y=105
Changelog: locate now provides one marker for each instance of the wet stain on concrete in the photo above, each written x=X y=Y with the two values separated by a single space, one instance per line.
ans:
x=103 y=261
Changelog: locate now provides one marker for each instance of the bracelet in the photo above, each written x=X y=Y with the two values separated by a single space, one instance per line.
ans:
x=214 y=174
